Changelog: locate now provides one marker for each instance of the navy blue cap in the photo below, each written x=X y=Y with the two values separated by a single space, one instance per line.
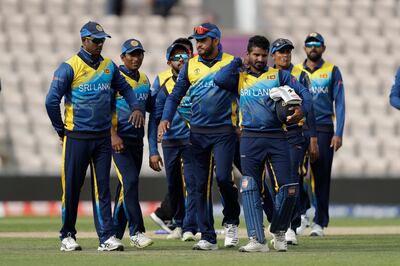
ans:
x=94 y=30
x=314 y=36
x=131 y=45
x=206 y=30
x=281 y=43
x=174 y=46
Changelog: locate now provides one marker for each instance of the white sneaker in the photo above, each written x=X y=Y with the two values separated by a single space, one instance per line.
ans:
x=139 y=240
x=189 y=236
x=305 y=223
x=69 y=244
x=111 y=244
x=254 y=246
x=205 y=245
x=160 y=222
x=290 y=236
x=231 y=235
x=317 y=230
x=279 y=242
x=175 y=234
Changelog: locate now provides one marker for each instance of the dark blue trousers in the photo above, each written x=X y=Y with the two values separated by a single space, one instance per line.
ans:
x=77 y=155
x=255 y=154
x=181 y=186
x=321 y=177
x=298 y=148
x=127 y=164
x=223 y=148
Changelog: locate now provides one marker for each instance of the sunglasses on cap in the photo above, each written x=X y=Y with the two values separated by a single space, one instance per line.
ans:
x=200 y=30
x=177 y=57
x=96 y=40
x=313 y=44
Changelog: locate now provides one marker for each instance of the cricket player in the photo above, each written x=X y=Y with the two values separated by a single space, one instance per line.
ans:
x=87 y=82
x=300 y=139
x=263 y=141
x=212 y=129
x=329 y=104
x=177 y=151
x=127 y=144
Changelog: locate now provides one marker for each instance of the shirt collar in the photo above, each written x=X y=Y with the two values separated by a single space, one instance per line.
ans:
x=257 y=74
x=132 y=74
x=89 y=57
x=212 y=61
x=316 y=68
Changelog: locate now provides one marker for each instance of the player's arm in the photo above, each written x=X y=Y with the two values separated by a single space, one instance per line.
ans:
x=61 y=83
x=285 y=78
x=340 y=108
x=395 y=92
x=227 y=77
x=119 y=83
x=181 y=87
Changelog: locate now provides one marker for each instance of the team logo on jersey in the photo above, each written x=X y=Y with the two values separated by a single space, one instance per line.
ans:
x=323 y=76
x=197 y=71
x=145 y=81
x=271 y=77
x=245 y=183
x=99 y=28
x=134 y=43
x=106 y=71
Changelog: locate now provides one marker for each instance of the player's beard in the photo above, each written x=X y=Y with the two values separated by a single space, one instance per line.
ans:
x=315 y=57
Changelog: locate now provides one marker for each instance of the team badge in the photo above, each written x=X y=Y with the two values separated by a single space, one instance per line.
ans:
x=197 y=71
x=271 y=77
x=134 y=43
x=106 y=71
x=314 y=34
x=245 y=183
x=323 y=76
x=99 y=28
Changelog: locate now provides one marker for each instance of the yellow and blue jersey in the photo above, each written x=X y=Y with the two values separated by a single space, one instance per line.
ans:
x=326 y=87
x=179 y=127
x=213 y=110
x=141 y=86
x=302 y=77
x=256 y=108
x=88 y=86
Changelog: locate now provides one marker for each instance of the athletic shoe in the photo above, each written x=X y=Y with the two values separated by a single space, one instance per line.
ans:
x=69 y=244
x=290 y=236
x=189 y=236
x=175 y=234
x=305 y=223
x=279 y=242
x=139 y=240
x=111 y=244
x=205 y=245
x=317 y=230
x=160 y=222
x=231 y=235
x=254 y=246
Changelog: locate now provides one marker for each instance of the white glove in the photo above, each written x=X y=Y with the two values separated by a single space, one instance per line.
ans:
x=286 y=93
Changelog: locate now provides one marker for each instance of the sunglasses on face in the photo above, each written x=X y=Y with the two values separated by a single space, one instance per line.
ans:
x=200 y=30
x=177 y=57
x=96 y=40
x=313 y=44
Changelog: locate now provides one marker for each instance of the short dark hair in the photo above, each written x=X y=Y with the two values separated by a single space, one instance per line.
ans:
x=258 y=41
x=186 y=42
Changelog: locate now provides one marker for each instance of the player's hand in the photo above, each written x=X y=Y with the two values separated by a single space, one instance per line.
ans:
x=313 y=149
x=117 y=143
x=336 y=143
x=238 y=133
x=245 y=62
x=61 y=139
x=156 y=162
x=137 y=118
x=162 y=129
x=296 y=116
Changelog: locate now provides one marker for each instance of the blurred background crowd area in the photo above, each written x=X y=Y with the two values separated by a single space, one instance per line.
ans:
x=361 y=39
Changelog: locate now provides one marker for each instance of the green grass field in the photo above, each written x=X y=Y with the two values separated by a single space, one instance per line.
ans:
x=41 y=247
